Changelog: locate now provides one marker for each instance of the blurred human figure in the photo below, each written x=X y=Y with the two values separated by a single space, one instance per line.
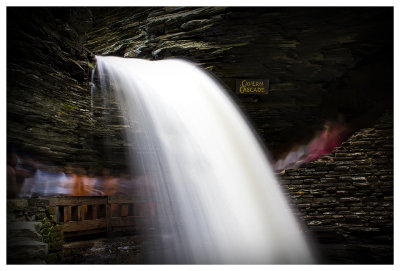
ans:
x=110 y=186
x=144 y=188
x=323 y=143
x=110 y=183
x=72 y=183
x=331 y=137
x=83 y=184
x=87 y=183
x=28 y=164
x=316 y=148
x=336 y=134
x=125 y=184
x=15 y=177
x=12 y=186
x=95 y=185
x=45 y=183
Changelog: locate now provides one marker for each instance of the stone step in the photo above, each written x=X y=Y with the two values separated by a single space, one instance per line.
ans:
x=22 y=250
x=24 y=229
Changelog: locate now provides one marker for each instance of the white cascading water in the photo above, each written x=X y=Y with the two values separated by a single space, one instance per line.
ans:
x=217 y=199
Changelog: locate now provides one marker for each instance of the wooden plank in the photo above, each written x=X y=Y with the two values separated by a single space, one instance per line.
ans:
x=90 y=200
x=84 y=225
x=60 y=214
x=74 y=213
x=129 y=221
x=67 y=213
x=108 y=217
x=124 y=210
x=101 y=211
x=131 y=208
x=90 y=211
x=78 y=200
x=123 y=221
x=125 y=199
x=94 y=211
x=80 y=213
x=115 y=210
x=85 y=210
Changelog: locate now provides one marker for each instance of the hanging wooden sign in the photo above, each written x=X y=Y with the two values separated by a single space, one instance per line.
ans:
x=252 y=86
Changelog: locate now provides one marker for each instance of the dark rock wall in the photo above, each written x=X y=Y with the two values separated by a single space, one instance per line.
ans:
x=26 y=209
x=320 y=61
x=47 y=86
x=49 y=107
x=346 y=197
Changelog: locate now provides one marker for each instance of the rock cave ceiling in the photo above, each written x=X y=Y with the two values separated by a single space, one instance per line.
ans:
x=319 y=61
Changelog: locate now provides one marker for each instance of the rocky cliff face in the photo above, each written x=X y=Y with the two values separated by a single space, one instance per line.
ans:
x=346 y=197
x=49 y=108
x=320 y=61
x=47 y=86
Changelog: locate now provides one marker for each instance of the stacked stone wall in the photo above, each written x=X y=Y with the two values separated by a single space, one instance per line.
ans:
x=347 y=196
x=25 y=244
x=24 y=209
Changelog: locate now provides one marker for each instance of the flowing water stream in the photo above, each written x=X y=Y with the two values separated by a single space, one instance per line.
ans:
x=216 y=198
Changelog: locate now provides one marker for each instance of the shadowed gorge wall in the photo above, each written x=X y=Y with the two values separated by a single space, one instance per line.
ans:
x=346 y=197
x=49 y=113
x=320 y=61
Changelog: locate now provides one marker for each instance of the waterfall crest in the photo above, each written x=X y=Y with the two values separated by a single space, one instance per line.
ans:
x=216 y=198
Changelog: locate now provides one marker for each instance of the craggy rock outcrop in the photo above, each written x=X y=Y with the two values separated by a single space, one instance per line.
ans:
x=33 y=209
x=346 y=197
x=47 y=86
x=25 y=244
x=320 y=61
x=49 y=107
x=24 y=240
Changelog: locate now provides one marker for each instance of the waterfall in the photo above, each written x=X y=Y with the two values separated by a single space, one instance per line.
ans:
x=216 y=198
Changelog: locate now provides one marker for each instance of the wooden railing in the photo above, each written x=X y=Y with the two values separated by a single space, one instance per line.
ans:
x=82 y=215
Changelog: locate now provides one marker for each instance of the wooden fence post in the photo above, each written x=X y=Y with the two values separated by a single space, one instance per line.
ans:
x=66 y=213
x=108 y=215
x=80 y=213
x=94 y=212
x=124 y=210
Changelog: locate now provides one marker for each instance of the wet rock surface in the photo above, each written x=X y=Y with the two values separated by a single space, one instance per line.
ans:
x=25 y=244
x=50 y=112
x=24 y=209
x=320 y=61
x=345 y=198
x=47 y=86
x=24 y=229
x=117 y=250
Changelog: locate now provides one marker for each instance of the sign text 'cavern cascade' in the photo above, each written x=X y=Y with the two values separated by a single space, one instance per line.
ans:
x=252 y=86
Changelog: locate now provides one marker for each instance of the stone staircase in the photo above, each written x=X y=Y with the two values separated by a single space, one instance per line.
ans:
x=25 y=244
